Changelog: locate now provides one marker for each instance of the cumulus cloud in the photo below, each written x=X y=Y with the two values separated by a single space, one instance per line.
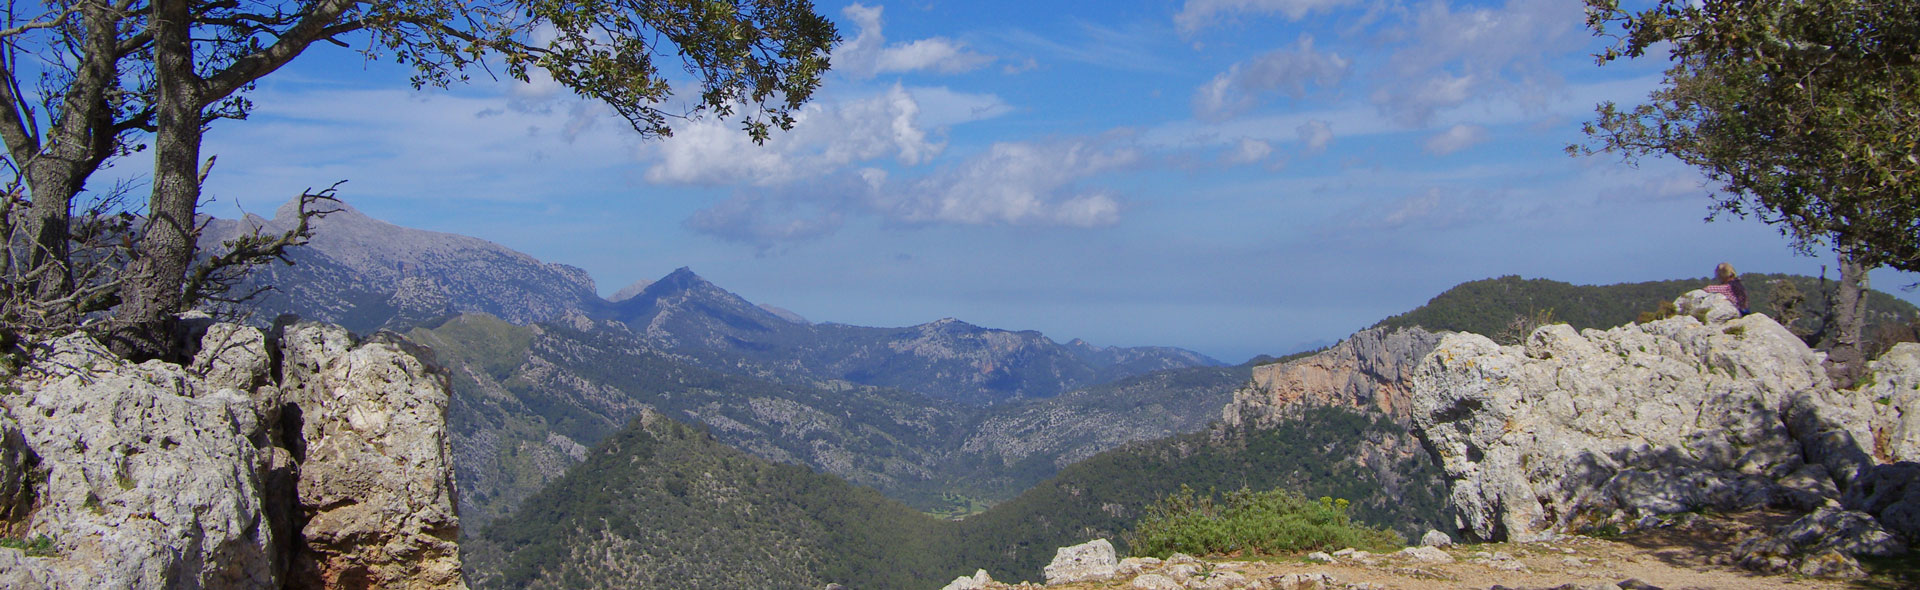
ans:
x=1315 y=136
x=823 y=139
x=869 y=55
x=1452 y=56
x=1291 y=71
x=1248 y=151
x=1015 y=183
x=1456 y=138
x=1199 y=14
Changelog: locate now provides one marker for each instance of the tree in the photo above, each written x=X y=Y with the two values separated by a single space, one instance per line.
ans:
x=1805 y=112
x=118 y=73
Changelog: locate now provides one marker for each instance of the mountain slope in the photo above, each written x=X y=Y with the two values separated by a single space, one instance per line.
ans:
x=529 y=400
x=663 y=504
x=948 y=359
x=364 y=274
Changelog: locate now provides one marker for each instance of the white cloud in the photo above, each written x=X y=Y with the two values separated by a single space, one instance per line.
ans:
x=1452 y=57
x=1248 y=151
x=1292 y=71
x=1199 y=14
x=869 y=55
x=1456 y=138
x=1014 y=183
x=823 y=139
x=1315 y=136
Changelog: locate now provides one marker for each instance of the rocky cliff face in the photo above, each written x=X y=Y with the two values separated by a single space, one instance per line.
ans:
x=1707 y=410
x=227 y=473
x=1371 y=370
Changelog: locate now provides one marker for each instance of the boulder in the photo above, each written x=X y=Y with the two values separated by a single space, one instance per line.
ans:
x=1435 y=538
x=156 y=475
x=1155 y=582
x=1821 y=544
x=1891 y=493
x=978 y=581
x=1090 y=561
x=376 y=488
x=1574 y=430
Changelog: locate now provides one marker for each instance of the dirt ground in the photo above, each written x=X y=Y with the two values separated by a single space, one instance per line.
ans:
x=1671 y=558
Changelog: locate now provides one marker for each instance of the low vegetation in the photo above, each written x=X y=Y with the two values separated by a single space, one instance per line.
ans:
x=1246 y=522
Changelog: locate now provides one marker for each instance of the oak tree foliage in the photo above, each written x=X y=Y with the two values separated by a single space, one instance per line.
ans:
x=1806 y=113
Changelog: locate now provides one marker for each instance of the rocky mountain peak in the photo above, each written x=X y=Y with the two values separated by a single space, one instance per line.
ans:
x=629 y=291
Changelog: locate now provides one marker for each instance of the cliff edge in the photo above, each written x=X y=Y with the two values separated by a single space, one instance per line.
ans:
x=308 y=460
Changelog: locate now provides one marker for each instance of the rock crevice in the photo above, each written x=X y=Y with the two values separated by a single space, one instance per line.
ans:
x=331 y=471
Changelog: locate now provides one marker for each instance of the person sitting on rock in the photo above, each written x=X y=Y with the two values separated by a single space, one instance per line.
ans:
x=1727 y=284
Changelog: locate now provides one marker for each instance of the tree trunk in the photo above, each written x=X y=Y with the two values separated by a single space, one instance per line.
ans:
x=1846 y=359
x=143 y=326
x=78 y=142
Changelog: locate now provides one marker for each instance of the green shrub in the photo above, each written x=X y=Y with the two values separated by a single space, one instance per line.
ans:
x=1247 y=522
x=41 y=546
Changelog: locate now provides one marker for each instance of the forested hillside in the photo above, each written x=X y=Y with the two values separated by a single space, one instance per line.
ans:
x=663 y=504
x=530 y=399
x=1487 y=306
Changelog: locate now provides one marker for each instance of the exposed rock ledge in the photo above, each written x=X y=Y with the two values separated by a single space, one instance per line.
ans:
x=1707 y=410
x=328 y=468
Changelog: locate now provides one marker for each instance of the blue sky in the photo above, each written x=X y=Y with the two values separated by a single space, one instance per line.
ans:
x=1233 y=176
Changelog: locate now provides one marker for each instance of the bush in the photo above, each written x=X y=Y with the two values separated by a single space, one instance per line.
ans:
x=1246 y=522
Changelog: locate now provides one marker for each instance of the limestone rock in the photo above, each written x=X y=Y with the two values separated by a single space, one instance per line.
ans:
x=1306 y=581
x=1891 y=493
x=1155 y=582
x=1425 y=554
x=1135 y=565
x=162 y=476
x=1573 y=430
x=1093 y=560
x=1371 y=370
x=1219 y=580
x=375 y=470
x=1820 y=544
x=232 y=355
x=147 y=480
x=15 y=500
x=978 y=581
x=1435 y=538
x=1709 y=308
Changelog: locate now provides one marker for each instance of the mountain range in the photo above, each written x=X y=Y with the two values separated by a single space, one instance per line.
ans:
x=946 y=416
x=677 y=428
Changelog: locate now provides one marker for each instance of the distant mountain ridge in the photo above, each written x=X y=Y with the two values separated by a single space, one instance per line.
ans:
x=948 y=358
x=368 y=274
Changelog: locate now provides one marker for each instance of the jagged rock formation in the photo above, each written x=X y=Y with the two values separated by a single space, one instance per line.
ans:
x=376 y=470
x=162 y=476
x=1707 y=410
x=1370 y=370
